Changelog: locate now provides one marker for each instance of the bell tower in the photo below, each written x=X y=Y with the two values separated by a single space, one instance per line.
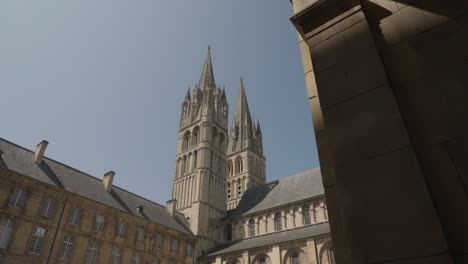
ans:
x=246 y=163
x=199 y=183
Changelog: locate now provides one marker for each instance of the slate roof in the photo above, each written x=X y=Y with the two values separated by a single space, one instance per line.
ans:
x=269 y=239
x=287 y=190
x=20 y=160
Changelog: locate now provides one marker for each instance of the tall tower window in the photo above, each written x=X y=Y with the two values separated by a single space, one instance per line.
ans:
x=185 y=141
x=238 y=166
x=195 y=136
x=195 y=159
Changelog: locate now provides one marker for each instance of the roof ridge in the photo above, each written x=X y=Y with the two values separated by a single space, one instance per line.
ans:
x=79 y=171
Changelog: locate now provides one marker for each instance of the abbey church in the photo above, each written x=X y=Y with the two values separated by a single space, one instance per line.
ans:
x=222 y=209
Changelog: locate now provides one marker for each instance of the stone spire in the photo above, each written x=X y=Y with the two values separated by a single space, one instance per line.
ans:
x=207 y=77
x=242 y=112
x=241 y=126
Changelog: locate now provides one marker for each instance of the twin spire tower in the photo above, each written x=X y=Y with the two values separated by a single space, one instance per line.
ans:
x=214 y=168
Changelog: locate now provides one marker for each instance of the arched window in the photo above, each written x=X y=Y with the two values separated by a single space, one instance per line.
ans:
x=195 y=159
x=278 y=222
x=238 y=165
x=306 y=214
x=221 y=140
x=295 y=258
x=251 y=227
x=189 y=159
x=185 y=141
x=195 y=136
x=177 y=168
x=262 y=260
x=182 y=168
x=215 y=137
x=230 y=168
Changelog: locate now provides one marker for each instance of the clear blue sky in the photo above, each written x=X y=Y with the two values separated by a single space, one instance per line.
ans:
x=103 y=81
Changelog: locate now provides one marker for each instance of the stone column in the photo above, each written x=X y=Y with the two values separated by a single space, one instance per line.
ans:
x=396 y=128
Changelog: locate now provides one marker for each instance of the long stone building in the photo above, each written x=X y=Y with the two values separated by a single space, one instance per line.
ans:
x=221 y=210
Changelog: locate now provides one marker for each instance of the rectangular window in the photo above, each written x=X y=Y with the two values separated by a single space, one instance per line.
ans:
x=93 y=252
x=37 y=240
x=174 y=245
x=18 y=198
x=7 y=226
x=159 y=240
x=140 y=235
x=99 y=224
x=156 y=260
x=74 y=217
x=136 y=258
x=188 y=250
x=67 y=247
x=116 y=254
x=121 y=229
x=47 y=207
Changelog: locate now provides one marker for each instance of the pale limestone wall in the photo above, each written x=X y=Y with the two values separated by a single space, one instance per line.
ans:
x=385 y=83
x=312 y=250
x=291 y=214
x=250 y=174
x=28 y=218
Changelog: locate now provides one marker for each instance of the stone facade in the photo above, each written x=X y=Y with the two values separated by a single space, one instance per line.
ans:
x=386 y=81
x=50 y=225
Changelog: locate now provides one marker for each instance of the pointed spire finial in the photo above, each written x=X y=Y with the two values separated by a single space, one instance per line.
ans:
x=207 y=75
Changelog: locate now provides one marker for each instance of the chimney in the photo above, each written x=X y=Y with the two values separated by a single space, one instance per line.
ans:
x=107 y=180
x=171 y=207
x=40 y=149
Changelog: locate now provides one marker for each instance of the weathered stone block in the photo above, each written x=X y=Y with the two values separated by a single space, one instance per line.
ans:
x=365 y=126
x=405 y=226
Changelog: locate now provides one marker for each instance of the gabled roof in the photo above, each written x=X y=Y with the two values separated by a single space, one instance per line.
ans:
x=269 y=239
x=287 y=190
x=20 y=160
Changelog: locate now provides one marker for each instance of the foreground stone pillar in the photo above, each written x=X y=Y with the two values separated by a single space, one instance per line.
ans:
x=387 y=88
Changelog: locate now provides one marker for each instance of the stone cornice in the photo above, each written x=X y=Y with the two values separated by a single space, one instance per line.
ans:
x=310 y=19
